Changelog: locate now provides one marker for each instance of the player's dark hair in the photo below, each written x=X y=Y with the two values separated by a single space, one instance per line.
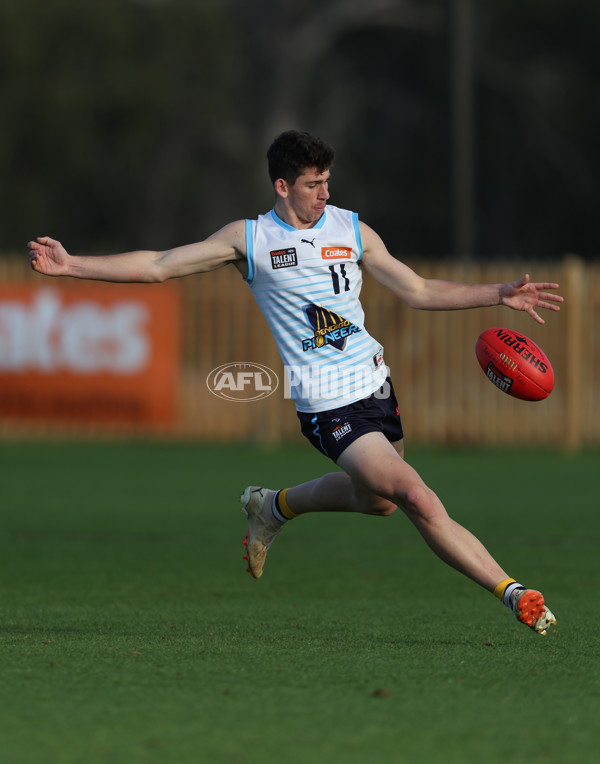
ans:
x=293 y=152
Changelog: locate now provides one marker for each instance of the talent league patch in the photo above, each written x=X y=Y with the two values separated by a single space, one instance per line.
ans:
x=284 y=258
x=342 y=430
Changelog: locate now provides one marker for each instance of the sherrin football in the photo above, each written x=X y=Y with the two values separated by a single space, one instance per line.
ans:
x=515 y=364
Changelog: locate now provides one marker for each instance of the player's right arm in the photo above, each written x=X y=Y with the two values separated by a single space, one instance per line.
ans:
x=227 y=245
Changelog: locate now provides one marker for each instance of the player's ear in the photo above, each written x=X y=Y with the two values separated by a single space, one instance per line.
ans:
x=281 y=187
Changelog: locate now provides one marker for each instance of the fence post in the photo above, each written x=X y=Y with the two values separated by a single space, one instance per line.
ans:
x=573 y=292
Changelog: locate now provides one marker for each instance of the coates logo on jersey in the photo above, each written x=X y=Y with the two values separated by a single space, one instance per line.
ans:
x=242 y=382
x=329 y=328
x=336 y=253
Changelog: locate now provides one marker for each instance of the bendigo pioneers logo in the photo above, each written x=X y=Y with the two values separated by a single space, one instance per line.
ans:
x=336 y=253
x=329 y=328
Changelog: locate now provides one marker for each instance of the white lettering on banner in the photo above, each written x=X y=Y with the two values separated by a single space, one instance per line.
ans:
x=83 y=337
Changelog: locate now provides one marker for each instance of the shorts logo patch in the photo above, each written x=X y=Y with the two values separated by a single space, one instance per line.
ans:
x=342 y=430
x=284 y=258
x=336 y=253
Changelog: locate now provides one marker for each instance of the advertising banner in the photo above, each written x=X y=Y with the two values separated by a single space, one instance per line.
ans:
x=90 y=352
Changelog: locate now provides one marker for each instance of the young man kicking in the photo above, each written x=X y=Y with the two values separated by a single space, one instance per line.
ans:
x=303 y=261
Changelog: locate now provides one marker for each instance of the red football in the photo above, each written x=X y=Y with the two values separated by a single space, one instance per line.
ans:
x=515 y=364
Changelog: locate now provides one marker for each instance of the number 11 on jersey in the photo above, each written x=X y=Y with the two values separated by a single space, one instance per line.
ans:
x=335 y=278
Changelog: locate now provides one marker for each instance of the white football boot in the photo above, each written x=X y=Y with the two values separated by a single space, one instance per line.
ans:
x=257 y=505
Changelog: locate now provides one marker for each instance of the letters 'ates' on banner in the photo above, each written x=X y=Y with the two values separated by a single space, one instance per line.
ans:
x=100 y=353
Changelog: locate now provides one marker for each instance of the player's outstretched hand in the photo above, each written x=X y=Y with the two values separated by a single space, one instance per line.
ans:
x=48 y=256
x=527 y=295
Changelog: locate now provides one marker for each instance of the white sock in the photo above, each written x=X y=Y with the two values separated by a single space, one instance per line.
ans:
x=510 y=590
x=275 y=509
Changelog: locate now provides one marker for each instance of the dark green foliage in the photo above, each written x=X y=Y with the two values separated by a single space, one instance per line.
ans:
x=144 y=123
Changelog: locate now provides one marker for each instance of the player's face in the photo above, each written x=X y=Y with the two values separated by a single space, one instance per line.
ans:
x=308 y=196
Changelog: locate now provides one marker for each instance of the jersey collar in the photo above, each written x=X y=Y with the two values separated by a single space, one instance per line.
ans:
x=319 y=224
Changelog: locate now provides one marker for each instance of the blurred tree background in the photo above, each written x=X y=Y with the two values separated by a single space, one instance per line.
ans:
x=144 y=123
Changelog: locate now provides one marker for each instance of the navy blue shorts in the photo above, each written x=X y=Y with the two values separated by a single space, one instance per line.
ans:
x=332 y=431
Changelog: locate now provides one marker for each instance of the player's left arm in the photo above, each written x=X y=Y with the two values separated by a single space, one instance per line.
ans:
x=437 y=294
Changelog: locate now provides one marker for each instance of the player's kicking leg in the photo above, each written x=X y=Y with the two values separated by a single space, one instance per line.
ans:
x=372 y=462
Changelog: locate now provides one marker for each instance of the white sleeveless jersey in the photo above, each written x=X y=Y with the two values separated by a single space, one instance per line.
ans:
x=307 y=284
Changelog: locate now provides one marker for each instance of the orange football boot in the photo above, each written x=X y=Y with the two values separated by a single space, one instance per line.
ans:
x=529 y=608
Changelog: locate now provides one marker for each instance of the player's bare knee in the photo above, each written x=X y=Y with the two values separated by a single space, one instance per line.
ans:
x=420 y=503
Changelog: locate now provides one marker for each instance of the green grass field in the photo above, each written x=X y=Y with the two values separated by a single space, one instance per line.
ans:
x=129 y=631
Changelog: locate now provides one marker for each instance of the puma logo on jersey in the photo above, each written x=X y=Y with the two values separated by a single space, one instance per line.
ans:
x=284 y=258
